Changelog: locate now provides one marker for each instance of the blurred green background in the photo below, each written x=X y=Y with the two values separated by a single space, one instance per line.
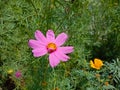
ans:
x=93 y=27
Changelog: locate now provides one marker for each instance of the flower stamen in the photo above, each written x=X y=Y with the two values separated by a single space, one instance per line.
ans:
x=51 y=47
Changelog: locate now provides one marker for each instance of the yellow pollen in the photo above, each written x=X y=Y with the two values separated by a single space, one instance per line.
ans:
x=51 y=47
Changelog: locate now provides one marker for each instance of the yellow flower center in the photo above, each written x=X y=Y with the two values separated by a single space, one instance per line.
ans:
x=51 y=47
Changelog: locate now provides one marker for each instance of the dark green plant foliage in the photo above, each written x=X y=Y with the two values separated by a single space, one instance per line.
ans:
x=114 y=70
x=93 y=29
x=105 y=33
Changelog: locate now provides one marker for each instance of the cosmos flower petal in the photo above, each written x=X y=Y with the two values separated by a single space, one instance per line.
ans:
x=61 y=55
x=53 y=60
x=35 y=44
x=39 y=36
x=66 y=50
x=39 y=52
x=61 y=38
x=50 y=35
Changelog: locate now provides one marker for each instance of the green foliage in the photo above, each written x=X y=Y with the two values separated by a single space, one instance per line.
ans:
x=93 y=29
x=114 y=69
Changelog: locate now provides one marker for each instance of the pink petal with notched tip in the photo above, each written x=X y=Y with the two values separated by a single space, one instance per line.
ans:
x=53 y=60
x=40 y=37
x=50 y=36
x=39 y=52
x=59 y=54
x=61 y=38
x=35 y=44
x=66 y=50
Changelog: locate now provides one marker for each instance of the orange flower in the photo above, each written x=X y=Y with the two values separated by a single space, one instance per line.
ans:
x=44 y=83
x=106 y=83
x=56 y=88
x=97 y=64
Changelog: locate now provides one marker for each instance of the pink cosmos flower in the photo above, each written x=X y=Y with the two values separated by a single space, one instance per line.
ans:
x=18 y=74
x=49 y=44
